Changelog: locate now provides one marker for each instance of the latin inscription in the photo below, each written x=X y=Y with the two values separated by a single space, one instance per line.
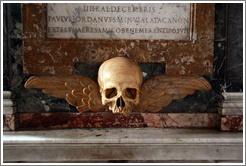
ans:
x=166 y=21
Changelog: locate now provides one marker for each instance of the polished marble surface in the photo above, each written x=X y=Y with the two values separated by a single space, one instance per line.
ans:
x=79 y=145
x=126 y=136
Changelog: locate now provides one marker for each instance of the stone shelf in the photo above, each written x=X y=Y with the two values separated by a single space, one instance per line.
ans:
x=83 y=145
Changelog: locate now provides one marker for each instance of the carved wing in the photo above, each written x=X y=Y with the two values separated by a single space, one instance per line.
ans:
x=79 y=91
x=159 y=91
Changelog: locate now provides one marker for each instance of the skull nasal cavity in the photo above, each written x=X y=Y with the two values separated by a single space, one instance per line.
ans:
x=120 y=102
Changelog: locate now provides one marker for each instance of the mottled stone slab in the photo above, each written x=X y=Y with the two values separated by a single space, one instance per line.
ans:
x=9 y=122
x=78 y=145
x=168 y=21
x=102 y=120
x=232 y=123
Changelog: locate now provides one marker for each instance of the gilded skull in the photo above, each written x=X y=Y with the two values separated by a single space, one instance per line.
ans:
x=120 y=80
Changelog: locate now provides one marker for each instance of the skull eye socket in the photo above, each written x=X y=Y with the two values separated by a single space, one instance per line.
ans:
x=110 y=93
x=131 y=93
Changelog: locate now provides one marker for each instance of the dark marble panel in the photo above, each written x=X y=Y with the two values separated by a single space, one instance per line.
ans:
x=228 y=48
x=5 y=50
x=234 y=85
x=219 y=60
x=152 y=69
x=87 y=69
x=220 y=21
x=13 y=55
x=217 y=80
x=234 y=70
x=15 y=22
x=201 y=101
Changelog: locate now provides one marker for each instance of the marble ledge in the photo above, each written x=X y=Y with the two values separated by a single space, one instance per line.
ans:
x=124 y=136
x=78 y=145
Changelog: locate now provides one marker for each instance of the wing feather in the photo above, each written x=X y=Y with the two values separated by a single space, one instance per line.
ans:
x=79 y=94
x=74 y=86
x=72 y=99
x=82 y=108
x=159 y=91
x=79 y=91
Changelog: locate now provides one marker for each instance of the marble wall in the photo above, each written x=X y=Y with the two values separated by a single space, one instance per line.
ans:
x=227 y=67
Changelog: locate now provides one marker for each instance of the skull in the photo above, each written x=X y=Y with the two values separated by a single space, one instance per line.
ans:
x=120 y=80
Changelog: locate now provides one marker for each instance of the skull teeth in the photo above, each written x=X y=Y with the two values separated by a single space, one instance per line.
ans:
x=118 y=110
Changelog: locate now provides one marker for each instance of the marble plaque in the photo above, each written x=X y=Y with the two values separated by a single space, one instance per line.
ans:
x=166 y=21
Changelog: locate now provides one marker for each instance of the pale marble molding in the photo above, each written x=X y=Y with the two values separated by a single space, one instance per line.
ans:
x=9 y=112
x=78 y=145
x=8 y=103
x=7 y=94
x=234 y=96
x=232 y=104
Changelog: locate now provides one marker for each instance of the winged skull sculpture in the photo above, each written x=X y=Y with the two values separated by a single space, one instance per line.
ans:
x=120 y=88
